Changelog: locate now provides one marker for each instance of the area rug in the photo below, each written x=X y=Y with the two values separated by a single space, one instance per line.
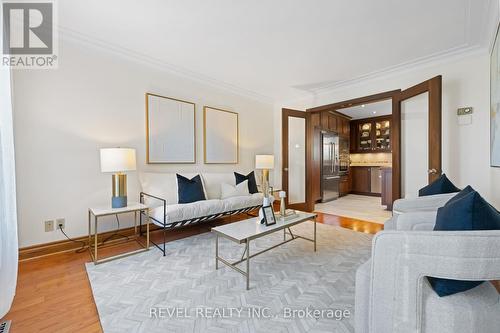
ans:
x=292 y=288
x=355 y=206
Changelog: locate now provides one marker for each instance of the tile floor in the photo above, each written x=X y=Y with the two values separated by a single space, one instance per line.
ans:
x=356 y=206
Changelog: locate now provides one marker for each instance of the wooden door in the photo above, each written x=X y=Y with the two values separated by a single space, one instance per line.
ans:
x=433 y=88
x=294 y=144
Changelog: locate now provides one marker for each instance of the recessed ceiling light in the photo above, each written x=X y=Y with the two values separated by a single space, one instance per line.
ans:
x=374 y=112
x=362 y=105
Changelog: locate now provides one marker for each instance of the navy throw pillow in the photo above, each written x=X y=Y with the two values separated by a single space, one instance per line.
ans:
x=461 y=194
x=190 y=190
x=252 y=184
x=470 y=212
x=441 y=185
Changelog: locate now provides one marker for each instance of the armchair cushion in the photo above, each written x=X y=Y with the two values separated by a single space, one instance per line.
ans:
x=439 y=186
x=467 y=212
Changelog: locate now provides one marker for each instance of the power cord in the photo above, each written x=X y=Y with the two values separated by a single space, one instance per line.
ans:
x=80 y=250
x=116 y=233
x=84 y=245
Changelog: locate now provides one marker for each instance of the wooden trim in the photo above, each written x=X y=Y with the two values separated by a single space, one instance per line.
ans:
x=356 y=101
x=368 y=194
x=395 y=95
x=396 y=149
x=65 y=245
x=434 y=88
x=285 y=113
x=415 y=90
x=340 y=114
x=435 y=126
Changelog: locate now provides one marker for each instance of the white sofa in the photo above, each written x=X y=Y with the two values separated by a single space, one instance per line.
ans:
x=160 y=193
x=393 y=295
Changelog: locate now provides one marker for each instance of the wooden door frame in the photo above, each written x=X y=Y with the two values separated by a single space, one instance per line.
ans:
x=394 y=95
x=434 y=88
x=285 y=113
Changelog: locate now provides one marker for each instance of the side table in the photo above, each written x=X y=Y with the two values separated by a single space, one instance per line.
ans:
x=98 y=212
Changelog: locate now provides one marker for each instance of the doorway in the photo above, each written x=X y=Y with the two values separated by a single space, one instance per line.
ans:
x=294 y=144
x=368 y=175
x=425 y=96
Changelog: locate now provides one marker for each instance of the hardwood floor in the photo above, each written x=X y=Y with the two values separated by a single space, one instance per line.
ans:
x=54 y=294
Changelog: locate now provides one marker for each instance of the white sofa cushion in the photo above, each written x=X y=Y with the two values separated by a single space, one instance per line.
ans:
x=241 y=202
x=164 y=185
x=181 y=212
x=228 y=191
x=469 y=311
x=212 y=182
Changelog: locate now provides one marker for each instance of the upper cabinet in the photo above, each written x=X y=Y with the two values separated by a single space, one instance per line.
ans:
x=383 y=134
x=365 y=134
x=371 y=135
x=334 y=123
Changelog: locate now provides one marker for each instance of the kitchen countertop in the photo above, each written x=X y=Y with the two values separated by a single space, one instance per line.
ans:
x=371 y=165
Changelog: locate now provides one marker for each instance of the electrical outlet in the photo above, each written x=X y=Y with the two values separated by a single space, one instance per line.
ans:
x=60 y=223
x=49 y=225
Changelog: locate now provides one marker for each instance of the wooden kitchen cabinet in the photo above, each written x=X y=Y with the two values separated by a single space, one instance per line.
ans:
x=344 y=185
x=334 y=123
x=371 y=135
x=387 y=187
x=360 y=179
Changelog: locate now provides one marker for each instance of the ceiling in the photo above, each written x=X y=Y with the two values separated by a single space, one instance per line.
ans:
x=278 y=49
x=376 y=109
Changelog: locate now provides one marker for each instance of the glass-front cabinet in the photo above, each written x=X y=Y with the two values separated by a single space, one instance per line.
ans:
x=371 y=135
x=383 y=134
x=365 y=136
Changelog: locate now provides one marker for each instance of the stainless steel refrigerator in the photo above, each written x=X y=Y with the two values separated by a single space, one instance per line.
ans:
x=330 y=177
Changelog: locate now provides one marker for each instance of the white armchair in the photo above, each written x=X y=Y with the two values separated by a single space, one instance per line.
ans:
x=429 y=203
x=393 y=295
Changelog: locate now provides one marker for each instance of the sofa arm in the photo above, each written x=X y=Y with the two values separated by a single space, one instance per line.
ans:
x=427 y=203
x=414 y=221
x=402 y=259
x=152 y=202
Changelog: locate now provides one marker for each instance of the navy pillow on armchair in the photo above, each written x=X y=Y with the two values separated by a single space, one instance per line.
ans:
x=461 y=194
x=469 y=212
x=441 y=185
x=190 y=190
x=252 y=184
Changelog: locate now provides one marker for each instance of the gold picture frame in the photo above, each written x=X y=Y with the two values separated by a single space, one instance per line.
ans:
x=220 y=136
x=158 y=147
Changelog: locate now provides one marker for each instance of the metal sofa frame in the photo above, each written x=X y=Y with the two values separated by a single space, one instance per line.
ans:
x=179 y=224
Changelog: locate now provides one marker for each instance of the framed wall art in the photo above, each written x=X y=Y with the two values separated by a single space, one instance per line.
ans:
x=170 y=130
x=220 y=136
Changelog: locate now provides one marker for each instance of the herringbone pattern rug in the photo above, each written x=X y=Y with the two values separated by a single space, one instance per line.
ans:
x=290 y=277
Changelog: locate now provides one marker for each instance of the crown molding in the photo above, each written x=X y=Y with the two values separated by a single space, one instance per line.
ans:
x=446 y=56
x=82 y=39
x=490 y=24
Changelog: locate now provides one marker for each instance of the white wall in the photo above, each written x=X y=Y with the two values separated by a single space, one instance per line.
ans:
x=96 y=99
x=465 y=148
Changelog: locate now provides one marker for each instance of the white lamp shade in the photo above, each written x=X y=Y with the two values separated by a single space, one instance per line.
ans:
x=264 y=162
x=117 y=159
